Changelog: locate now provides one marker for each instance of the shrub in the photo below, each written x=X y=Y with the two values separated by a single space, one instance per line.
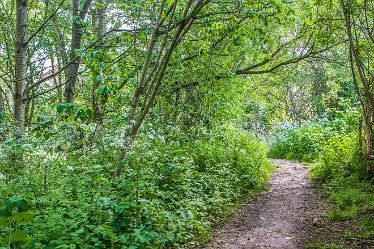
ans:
x=295 y=142
x=173 y=189
x=339 y=159
x=347 y=183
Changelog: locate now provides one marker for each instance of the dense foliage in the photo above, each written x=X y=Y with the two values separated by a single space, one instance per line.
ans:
x=349 y=186
x=171 y=192
x=305 y=142
x=301 y=143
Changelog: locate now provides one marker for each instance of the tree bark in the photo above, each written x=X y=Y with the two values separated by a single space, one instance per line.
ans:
x=76 y=38
x=20 y=71
x=99 y=26
x=2 y=109
x=21 y=66
x=366 y=96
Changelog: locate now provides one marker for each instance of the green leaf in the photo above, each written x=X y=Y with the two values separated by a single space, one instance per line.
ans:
x=186 y=214
x=100 y=6
x=105 y=201
x=23 y=217
x=4 y=212
x=17 y=202
x=4 y=222
x=98 y=78
x=19 y=236
x=64 y=107
x=104 y=90
x=64 y=246
x=102 y=65
x=143 y=236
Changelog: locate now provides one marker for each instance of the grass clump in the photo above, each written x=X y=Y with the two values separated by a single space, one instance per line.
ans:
x=348 y=185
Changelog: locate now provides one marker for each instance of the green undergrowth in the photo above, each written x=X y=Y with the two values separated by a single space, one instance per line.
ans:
x=348 y=185
x=172 y=191
x=295 y=142
x=305 y=142
x=323 y=245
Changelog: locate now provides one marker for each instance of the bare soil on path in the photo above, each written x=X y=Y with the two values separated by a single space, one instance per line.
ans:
x=285 y=216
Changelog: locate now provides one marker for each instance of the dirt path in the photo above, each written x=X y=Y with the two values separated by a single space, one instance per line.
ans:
x=285 y=216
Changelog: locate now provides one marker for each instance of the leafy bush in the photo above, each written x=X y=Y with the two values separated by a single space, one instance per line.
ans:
x=339 y=158
x=295 y=142
x=347 y=183
x=173 y=189
x=13 y=215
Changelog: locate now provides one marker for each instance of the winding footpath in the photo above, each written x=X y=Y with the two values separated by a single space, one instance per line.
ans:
x=285 y=216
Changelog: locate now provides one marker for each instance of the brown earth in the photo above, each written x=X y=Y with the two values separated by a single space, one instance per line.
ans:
x=290 y=214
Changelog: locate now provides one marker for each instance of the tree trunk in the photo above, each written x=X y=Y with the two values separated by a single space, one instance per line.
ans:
x=99 y=26
x=21 y=67
x=73 y=68
x=21 y=71
x=76 y=38
x=369 y=131
x=2 y=109
x=366 y=96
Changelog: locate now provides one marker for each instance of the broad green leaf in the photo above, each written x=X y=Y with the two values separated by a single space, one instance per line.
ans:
x=4 y=222
x=19 y=236
x=23 y=217
x=5 y=212
x=17 y=202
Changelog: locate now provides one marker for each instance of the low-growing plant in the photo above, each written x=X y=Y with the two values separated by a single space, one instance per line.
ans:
x=172 y=190
x=347 y=183
x=295 y=142
x=13 y=216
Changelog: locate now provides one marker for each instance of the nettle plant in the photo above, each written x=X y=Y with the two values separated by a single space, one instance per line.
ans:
x=13 y=217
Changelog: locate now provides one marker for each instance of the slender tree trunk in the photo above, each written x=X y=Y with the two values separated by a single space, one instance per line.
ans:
x=99 y=26
x=369 y=131
x=73 y=68
x=366 y=96
x=21 y=70
x=30 y=111
x=359 y=134
x=2 y=108
x=21 y=67
x=57 y=79
x=61 y=41
x=76 y=39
